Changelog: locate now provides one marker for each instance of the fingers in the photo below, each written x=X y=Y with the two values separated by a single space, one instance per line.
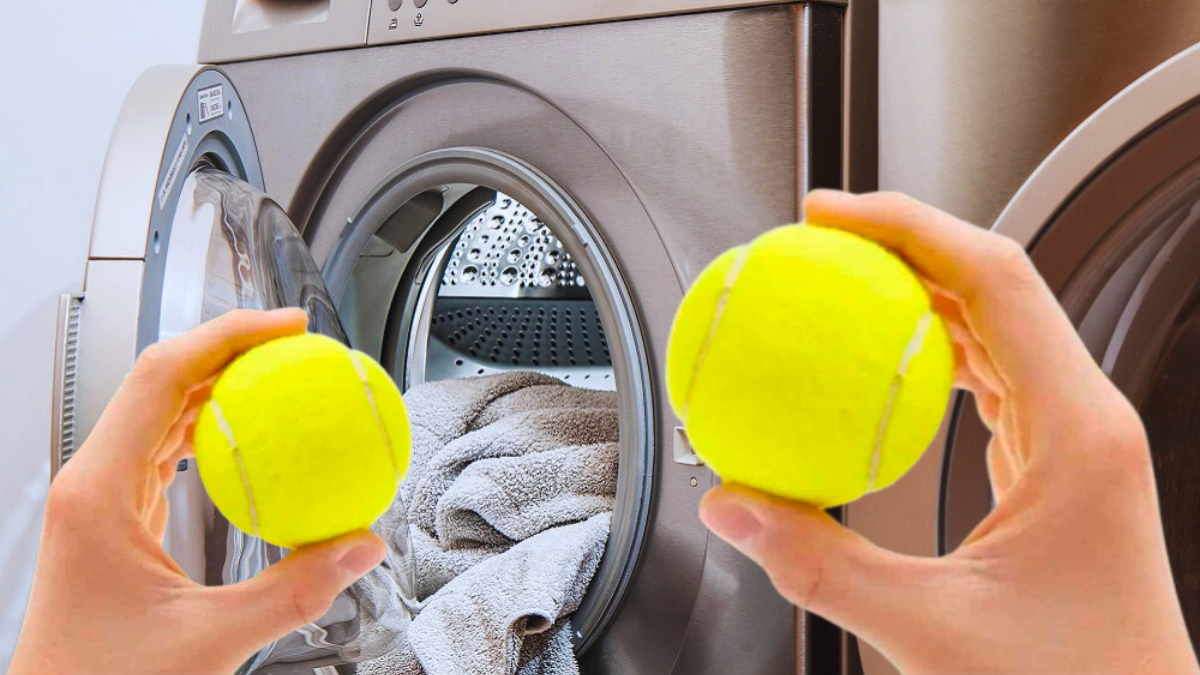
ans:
x=136 y=422
x=296 y=591
x=815 y=562
x=1006 y=305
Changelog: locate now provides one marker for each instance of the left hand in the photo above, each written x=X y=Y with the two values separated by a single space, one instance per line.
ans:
x=106 y=598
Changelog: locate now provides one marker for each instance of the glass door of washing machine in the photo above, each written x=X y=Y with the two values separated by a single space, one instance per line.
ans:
x=233 y=247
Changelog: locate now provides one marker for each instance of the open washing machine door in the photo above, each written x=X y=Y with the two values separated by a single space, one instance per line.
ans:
x=1112 y=220
x=184 y=233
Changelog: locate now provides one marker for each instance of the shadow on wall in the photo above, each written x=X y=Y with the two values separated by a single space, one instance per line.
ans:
x=26 y=476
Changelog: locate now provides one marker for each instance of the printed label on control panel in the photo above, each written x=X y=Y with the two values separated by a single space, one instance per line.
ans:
x=212 y=102
x=172 y=172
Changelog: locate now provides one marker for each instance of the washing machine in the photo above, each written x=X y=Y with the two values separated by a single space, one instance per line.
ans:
x=427 y=178
x=1074 y=128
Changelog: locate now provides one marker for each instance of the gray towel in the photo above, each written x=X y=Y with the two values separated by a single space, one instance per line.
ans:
x=522 y=496
x=509 y=492
x=481 y=621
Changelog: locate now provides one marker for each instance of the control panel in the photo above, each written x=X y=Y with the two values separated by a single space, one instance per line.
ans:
x=236 y=30
x=409 y=20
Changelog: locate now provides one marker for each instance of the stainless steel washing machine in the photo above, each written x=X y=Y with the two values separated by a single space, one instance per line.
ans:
x=452 y=169
x=1074 y=128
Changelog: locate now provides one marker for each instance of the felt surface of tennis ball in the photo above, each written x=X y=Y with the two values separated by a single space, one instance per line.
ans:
x=809 y=364
x=302 y=440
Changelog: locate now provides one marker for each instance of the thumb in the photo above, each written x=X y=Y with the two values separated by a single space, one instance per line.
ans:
x=297 y=590
x=821 y=566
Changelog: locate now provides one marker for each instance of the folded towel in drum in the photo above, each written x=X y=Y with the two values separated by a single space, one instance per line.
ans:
x=508 y=494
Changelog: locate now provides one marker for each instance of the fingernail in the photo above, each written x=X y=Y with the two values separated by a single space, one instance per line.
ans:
x=732 y=522
x=361 y=559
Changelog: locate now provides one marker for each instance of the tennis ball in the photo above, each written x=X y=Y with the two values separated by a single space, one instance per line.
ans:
x=809 y=364
x=303 y=440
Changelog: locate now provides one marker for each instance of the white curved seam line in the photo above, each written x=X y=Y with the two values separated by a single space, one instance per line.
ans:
x=910 y=352
x=366 y=383
x=227 y=431
x=731 y=277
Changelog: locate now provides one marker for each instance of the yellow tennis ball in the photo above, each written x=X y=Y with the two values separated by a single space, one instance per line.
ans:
x=809 y=364
x=303 y=440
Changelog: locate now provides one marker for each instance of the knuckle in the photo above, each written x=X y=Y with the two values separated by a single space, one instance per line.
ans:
x=240 y=321
x=307 y=605
x=1008 y=256
x=904 y=209
x=1115 y=448
x=1125 y=437
x=65 y=502
x=151 y=361
x=801 y=583
x=239 y=317
x=796 y=568
x=893 y=199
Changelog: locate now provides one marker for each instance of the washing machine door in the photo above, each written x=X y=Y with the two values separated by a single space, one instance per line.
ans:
x=183 y=233
x=1112 y=221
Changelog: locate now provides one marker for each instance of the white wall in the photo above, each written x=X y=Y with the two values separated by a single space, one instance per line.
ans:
x=66 y=68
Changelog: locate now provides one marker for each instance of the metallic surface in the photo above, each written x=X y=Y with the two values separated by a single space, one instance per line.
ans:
x=247 y=29
x=722 y=110
x=973 y=95
x=1139 y=107
x=443 y=19
x=508 y=252
x=63 y=441
x=652 y=160
x=108 y=327
x=506 y=281
x=240 y=29
x=860 y=97
x=477 y=336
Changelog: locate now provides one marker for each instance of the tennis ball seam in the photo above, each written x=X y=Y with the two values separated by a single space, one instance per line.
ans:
x=227 y=431
x=731 y=277
x=914 y=346
x=361 y=372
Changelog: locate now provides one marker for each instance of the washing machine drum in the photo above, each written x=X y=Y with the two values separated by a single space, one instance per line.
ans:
x=461 y=281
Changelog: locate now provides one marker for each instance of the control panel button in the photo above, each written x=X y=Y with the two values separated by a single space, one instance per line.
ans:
x=394 y=4
x=420 y=3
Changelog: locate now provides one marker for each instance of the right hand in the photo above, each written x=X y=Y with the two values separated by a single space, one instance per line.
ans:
x=1069 y=574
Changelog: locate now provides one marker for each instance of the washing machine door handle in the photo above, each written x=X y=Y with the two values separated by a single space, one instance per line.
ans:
x=233 y=247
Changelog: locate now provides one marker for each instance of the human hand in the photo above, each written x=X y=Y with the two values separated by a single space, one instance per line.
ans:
x=106 y=598
x=1069 y=574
